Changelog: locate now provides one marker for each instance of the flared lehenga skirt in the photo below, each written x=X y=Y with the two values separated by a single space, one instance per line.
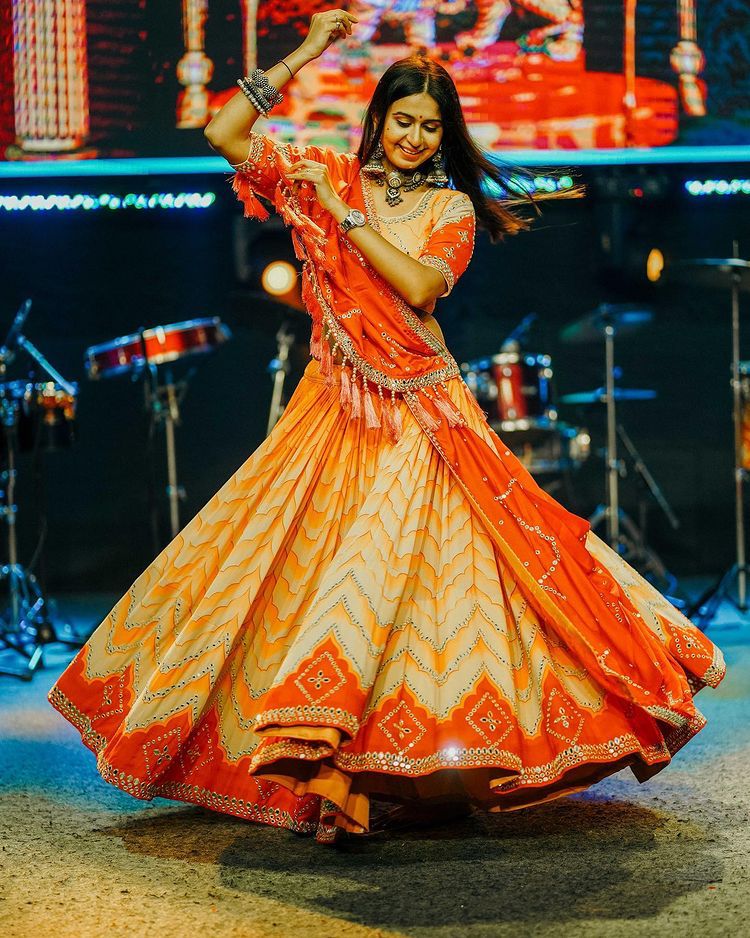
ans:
x=337 y=625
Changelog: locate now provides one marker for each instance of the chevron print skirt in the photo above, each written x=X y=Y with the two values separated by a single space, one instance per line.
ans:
x=335 y=626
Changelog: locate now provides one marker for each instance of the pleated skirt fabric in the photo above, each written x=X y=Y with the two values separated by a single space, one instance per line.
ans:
x=337 y=626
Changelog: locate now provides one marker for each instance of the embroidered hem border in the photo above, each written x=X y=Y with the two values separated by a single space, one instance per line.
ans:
x=383 y=762
x=321 y=716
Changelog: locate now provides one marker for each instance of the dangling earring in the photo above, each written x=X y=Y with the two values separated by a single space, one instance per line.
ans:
x=437 y=175
x=374 y=166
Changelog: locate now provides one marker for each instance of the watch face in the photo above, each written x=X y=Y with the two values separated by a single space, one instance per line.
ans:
x=357 y=217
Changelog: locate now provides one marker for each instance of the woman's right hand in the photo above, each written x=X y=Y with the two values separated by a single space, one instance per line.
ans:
x=326 y=28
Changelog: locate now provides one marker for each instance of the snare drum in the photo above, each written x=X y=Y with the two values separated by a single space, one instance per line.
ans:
x=158 y=346
x=514 y=388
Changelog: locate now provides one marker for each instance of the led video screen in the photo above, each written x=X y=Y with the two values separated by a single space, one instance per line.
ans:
x=82 y=79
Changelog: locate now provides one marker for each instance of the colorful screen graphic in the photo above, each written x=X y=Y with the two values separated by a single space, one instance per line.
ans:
x=124 y=78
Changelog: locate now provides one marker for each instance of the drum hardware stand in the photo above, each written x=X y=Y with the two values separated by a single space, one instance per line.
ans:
x=612 y=509
x=632 y=543
x=163 y=404
x=706 y=606
x=279 y=368
x=622 y=533
x=25 y=627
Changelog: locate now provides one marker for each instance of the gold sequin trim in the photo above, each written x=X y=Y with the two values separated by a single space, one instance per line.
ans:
x=257 y=145
x=439 y=264
x=457 y=209
x=179 y=791
x=322 y=716
x=400 y=385
x=421 y=207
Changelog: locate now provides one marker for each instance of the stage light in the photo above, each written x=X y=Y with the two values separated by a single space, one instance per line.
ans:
x=654 y=265
x=722 y=187
x=86 y=202
x=279 y=278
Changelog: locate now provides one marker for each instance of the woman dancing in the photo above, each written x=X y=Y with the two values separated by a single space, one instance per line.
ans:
x=381 y=604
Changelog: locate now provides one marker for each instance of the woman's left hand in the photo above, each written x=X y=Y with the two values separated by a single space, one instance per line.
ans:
x=315 y=174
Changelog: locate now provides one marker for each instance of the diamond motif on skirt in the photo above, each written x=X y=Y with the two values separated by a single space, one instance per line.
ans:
x=321 y=678
x=112 y=695
x=198 y=751
x=159 y=752
x=489 y=720
x=563 y=719
x=402 y=728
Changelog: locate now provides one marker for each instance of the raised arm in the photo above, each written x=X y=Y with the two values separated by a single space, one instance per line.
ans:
x=227 y=133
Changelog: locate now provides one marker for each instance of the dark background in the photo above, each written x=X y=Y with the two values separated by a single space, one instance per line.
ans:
x=97 y=275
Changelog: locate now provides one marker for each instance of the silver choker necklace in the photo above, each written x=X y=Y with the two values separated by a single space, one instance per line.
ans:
x=397 y=182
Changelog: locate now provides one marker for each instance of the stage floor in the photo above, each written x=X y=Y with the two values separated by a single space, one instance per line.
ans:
x=666 y=858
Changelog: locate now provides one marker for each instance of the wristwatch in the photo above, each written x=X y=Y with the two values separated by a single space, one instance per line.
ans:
x=355 y=219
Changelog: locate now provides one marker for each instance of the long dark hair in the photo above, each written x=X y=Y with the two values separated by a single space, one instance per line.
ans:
x=468 y=167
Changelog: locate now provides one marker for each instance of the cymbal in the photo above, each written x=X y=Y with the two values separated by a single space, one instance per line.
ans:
x=718 y=272
x=599 y=396
x=625 y=318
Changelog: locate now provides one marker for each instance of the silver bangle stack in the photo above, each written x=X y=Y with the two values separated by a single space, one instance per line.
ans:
x=260 y=92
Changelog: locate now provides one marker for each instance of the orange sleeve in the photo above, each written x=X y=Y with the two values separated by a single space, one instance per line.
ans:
x=451 y=243
x=260 y=173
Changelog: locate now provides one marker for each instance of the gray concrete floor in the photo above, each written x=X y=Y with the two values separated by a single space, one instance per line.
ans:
x=668 y=858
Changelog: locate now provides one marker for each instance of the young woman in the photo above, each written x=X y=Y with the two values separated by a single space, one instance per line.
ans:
x=381 y=604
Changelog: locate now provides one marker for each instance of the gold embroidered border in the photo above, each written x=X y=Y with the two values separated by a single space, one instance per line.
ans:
x=179 y=791
x=250 y=162
x=420 y=208
x=439 y=264
x=310 y=715
x=386 y=762
x=291 y=749
x=714 y=674
x=400 y=385
x=457 y=208
x=492 y=757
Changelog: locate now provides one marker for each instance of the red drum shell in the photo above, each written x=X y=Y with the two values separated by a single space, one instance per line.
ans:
x=514 y=388
x=158 y=346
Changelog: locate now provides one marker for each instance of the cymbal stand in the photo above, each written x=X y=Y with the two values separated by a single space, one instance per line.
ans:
x=707 y=605
x=622 y=533
x=610 y=512
x=279 y=368
x=25 y=627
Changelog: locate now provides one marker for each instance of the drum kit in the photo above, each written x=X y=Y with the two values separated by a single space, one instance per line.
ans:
x=40 y=416
x=516 y=389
